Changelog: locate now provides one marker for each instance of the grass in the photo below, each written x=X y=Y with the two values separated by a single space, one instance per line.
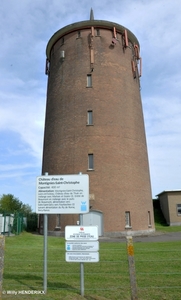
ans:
x=157 y=270
x=160 y=223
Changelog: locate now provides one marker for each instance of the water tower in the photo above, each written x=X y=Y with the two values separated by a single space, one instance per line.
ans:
x=94 y=124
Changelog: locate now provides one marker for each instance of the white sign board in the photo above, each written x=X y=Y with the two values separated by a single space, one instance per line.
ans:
x=62 y=194
x=82 y=256
x=81 y=233
x=82 y=246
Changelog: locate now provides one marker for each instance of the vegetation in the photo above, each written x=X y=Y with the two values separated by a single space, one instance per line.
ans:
x=10 y=204
x=157 y=270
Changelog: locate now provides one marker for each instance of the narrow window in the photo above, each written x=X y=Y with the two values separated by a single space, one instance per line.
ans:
x=58 y=221
x=90 y=162
x=149 y=219
x=127 y=219
x=63 y=40
x=89 y=80
x=98 y=32
x=47 y=67
x=78 y=34
x=89 y=117
x=179 y=209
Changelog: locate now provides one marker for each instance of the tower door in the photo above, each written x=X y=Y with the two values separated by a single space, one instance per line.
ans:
x=94 y=218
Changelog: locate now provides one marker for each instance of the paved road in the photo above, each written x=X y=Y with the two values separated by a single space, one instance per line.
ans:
x=155 y=237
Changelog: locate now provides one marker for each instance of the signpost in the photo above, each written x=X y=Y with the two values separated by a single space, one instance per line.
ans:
x=60 y=194
x=81 y=246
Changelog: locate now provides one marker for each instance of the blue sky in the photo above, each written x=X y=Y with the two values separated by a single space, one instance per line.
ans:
x=26 y=27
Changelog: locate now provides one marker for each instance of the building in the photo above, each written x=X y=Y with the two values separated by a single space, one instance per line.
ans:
x=170 y=204
x=94 y=124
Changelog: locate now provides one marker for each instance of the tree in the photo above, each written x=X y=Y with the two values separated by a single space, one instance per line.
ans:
x=10 y=204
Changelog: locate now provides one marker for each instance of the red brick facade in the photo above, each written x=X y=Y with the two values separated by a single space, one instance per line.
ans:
x=119 y=181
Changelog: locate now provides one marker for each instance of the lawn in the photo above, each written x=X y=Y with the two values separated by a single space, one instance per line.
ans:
x=158 y=272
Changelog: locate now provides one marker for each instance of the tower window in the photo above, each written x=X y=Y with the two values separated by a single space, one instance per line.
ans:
x=149 y=219
x=127 y=219
x=97 y=32
x=62 y=40
x=90 y=162
x=89 y=117
x=78 y=34
x=89 y=80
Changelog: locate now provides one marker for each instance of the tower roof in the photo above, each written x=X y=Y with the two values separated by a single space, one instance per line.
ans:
x=88 y=24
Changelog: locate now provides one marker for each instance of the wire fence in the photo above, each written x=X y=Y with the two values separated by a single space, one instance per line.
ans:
x=157 y=265
x=12 y=223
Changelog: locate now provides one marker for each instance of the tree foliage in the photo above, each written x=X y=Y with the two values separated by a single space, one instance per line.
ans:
x=10 y=204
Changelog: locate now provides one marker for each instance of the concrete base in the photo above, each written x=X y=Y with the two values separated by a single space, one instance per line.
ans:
x=129 y=233
x=110 y=234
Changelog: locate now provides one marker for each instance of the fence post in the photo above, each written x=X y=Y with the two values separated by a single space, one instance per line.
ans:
x=132 y=272
x=4 y=223
x=81 y=265
x=2 y=244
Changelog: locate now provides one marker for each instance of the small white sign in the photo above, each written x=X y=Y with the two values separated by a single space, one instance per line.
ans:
x=82 y=246
x=62 y=194
x=81 y=233
x=82 y=256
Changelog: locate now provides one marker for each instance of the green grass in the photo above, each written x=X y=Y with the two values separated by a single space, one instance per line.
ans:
x=157 y=270
x=160 y=223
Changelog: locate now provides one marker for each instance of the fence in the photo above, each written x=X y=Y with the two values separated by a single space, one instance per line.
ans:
x=12 y=223
x=157 y=265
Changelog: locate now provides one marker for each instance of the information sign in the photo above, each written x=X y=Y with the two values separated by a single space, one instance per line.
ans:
x=82 y=256
x=81 y=233
x=62 y=194
x=82 y=246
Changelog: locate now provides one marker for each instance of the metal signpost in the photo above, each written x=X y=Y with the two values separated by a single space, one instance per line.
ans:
x=60 y=194
x=81 y=246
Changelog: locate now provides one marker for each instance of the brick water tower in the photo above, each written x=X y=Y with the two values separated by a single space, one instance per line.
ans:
x=94 y=125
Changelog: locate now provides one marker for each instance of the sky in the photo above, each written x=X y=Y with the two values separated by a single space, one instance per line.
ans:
x=27 y=26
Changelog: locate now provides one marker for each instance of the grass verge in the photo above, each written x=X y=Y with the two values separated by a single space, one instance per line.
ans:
x=157 y=270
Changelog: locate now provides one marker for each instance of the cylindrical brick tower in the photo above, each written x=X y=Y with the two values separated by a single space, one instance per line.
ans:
x=94 y=124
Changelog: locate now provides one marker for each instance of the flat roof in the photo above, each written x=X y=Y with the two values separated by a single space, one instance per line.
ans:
x=169 y=191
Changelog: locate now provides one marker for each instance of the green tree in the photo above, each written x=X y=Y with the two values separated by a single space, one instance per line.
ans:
x=26 y=209
x=10 y=204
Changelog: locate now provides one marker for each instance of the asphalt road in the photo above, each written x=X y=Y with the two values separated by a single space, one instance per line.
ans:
x=155 y=237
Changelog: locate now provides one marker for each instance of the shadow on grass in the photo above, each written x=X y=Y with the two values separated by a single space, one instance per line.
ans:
x=24 y=278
